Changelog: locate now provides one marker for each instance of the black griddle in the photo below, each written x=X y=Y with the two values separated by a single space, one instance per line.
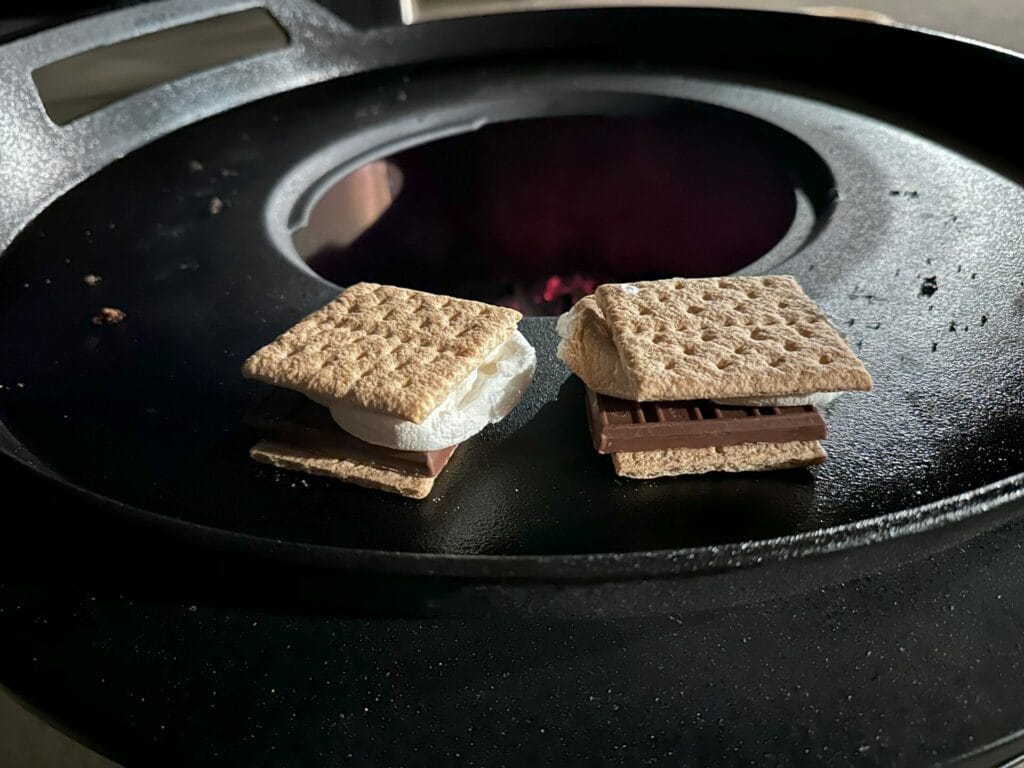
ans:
x=912 y=246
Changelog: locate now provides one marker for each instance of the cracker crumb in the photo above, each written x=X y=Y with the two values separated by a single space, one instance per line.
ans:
x=92 y=280
x=194 y=166
x=109 y=316
x=216 y=206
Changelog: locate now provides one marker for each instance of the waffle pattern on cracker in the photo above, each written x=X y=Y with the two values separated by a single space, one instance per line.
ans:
x=724 y=337
x=387 y=349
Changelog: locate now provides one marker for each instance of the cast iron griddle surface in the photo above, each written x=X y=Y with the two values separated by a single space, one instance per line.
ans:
x=149 y=412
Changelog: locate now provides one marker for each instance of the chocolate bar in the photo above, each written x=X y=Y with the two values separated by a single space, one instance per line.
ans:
x=625 y=425
x=291 y=418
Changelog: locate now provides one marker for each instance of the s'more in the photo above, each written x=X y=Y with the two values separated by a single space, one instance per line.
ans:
x=687 y=376
x=380 y=386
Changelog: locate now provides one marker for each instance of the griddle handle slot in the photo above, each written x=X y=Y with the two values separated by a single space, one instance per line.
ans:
x=42 y=159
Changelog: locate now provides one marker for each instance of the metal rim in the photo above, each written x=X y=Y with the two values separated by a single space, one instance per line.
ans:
x=607 y=566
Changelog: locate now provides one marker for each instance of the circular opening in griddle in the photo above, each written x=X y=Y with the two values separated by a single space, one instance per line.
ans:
x=535 y=213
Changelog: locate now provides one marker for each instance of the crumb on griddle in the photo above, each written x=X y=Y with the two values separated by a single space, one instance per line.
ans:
x=109 y=316
x=92 y=279
x=194 y=166
x=216 y=206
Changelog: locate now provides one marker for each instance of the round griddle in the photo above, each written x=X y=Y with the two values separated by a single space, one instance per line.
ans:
x=911 y=244
x=167 y=599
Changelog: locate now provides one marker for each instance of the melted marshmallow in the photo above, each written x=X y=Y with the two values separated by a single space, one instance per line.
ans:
x=566 y=328
x=487 y=395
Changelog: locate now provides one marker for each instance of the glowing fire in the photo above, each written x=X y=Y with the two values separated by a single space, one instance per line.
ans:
x=553 y=295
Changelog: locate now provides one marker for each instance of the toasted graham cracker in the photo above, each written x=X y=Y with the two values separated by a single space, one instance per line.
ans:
x=590 y=350
x=682 y=339
x=746 y=457
x=387 y=349
x=366 y=475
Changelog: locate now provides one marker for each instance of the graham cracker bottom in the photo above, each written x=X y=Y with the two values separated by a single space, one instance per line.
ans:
x=746 y=457
x=302 y=460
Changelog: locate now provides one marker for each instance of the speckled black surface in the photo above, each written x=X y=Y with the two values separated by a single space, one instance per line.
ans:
x=202 y=291
x=902 y=652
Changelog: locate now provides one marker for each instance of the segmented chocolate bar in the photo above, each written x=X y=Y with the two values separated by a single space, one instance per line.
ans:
x=625 y=425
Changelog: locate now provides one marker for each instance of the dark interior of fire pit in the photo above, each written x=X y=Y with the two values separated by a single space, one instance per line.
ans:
x=534 y=213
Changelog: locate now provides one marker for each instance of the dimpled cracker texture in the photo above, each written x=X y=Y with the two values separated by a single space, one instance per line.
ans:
x=294 y=458
x=746 y=457
x=391 y=350
x=690 y=339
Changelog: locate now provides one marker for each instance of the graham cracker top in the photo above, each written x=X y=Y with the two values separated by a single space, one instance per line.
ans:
x=391 y=350
x=683 y=339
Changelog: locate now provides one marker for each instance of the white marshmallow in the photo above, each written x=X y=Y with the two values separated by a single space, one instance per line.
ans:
x=567 y=322
x=485 y=396
x=566 y=327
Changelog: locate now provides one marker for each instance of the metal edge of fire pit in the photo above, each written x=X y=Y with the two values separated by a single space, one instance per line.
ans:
x=1006 y=496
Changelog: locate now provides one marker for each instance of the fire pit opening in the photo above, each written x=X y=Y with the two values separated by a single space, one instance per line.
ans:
x=533 y=214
